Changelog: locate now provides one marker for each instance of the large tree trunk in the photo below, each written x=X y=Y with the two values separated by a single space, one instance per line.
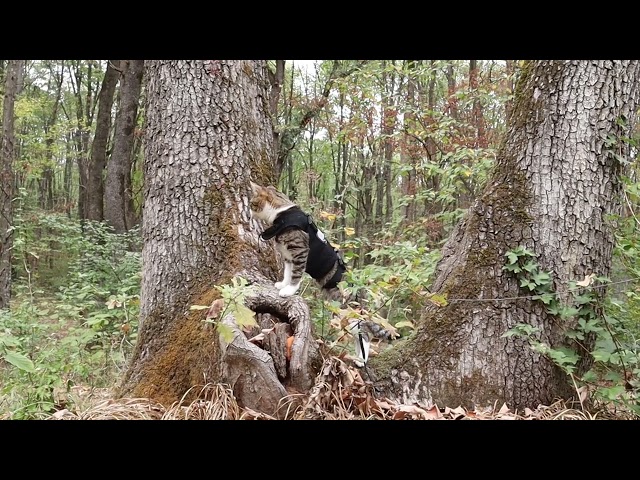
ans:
x=208 y=133
x=7 y=154
x=98 y=160
x=117 y=185
x=554 y=183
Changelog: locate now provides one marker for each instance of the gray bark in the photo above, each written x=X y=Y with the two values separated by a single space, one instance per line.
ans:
x=7 y=153
x=208 y=132
x=84 y=117
x=117 y=185
x=98 y=159
x=553 y=186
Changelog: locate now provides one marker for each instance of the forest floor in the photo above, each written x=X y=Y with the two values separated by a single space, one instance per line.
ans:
x=339 y=394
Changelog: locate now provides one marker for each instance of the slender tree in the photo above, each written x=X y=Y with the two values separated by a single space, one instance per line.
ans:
x=46 y=181
x=98 y=159
x=555 y=182
x=389 y=118
x=476 y=113
x=83 y=84
x=13 y=75
x=409 y=154
x=118 y=180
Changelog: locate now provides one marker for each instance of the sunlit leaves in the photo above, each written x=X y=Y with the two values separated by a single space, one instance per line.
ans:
x=231 y=303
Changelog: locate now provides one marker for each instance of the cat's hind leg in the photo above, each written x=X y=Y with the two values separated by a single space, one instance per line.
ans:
x=293 y=278
x=290 y=289
x=286 y=278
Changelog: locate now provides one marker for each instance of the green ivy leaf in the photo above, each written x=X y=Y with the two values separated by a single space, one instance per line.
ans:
x=568 y=312
x=583 y=299
x=601 y=355
x=575 y=334
x=515 y=268
x=590 y=377
x=512 y=257
x=545 y=298
x=525 y=282
x=541 y=278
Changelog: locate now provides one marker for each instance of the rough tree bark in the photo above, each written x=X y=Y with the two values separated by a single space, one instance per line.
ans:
x=208 y=133
x=553 y=186
x=7 y=153
x=98 y=159
x=84 y=118
x=116 y=188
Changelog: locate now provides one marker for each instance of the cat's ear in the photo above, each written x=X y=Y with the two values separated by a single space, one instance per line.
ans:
x=255 y=188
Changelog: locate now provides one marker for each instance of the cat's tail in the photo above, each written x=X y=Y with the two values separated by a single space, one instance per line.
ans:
x=363 y=332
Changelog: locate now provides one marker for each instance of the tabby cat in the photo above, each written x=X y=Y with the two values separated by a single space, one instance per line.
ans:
x=304 y=248
x=302 y=245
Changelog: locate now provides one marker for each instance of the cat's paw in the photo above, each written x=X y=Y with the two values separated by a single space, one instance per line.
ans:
x=289 y=290
x=279 y=285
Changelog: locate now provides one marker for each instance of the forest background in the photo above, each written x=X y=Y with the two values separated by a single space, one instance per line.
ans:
x=386 y=155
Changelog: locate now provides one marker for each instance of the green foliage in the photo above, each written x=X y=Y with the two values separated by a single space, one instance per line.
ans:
x=231 y=302
x=389 y=290
x=74 y=317
x=614 y=378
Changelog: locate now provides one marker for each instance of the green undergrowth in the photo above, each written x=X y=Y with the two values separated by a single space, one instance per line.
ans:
x=74 y=312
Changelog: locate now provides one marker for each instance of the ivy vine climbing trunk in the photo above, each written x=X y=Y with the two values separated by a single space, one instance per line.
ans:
x=208 y=133
x=555 y=182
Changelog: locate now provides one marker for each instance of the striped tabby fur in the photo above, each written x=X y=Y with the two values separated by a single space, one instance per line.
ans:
x=266 y=204
x=293 y=244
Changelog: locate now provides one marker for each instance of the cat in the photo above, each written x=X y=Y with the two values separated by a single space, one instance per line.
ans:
x=302 y=245
x=304 y=248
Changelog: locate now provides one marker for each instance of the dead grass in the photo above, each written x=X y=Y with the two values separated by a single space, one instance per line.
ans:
x=340 y=393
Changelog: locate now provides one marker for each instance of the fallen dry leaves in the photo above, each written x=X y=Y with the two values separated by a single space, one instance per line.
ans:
x=340 y=393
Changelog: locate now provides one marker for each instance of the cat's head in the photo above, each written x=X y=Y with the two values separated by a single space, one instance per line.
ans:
x=267 y=202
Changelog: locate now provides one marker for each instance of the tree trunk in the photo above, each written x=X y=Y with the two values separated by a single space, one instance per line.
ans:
x=208 y=133
x=46 y=181
x=98 y=160
x=118 y=180
x=476 y=112
x=553 y=186
x=7 y=153
x=387 y=128
x=452 y=101
x=84 y=118
x=409 y=153
x=68 y=174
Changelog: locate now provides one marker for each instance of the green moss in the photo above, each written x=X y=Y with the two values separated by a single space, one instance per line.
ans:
x=180 y=358
x=391 y=358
